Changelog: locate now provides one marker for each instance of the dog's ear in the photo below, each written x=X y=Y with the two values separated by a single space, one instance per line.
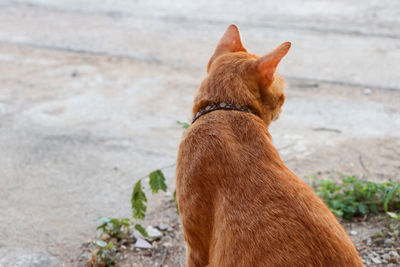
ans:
x=267 y=64
x=230 y=42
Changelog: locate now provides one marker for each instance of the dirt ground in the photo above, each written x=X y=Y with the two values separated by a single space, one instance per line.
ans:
x=90 y=93
x=369 y=235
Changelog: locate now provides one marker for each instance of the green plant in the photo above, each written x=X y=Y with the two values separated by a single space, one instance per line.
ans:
x=104 y=254
x=354 y=197
x=118 y=229
x=184 y=125
x=393 y=223
x=139 y=199
x=115 y=230
x=113 y=227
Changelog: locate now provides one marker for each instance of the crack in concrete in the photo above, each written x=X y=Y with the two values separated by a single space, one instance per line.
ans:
x=147 y=59
x=343 y=83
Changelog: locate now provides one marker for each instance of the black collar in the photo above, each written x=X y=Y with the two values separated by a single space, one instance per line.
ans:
x=222 y=106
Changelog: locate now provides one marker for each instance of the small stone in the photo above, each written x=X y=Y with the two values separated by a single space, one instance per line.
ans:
x=74 y=73
x=153 y=233
x=388 y=242
x=367 y=91
x=165 y=227
x=353 y=232
x=376 y=260
x=141 y=243
x=167 y=244
x=394 y=254
x=386 y=257
x=137 y=235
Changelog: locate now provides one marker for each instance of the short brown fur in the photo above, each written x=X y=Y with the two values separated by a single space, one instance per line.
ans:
x=239 y=204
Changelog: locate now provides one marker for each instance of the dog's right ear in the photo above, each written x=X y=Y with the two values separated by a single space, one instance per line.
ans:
x=230 y=42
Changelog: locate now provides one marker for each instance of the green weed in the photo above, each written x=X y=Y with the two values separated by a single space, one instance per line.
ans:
x=354 y=197
x=113 y=230
x=184 y=125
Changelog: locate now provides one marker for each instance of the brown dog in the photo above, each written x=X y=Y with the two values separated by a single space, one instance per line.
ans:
x=239 y=204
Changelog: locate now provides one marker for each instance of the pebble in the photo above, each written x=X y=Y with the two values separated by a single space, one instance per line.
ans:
x=141 y=243
x=394 y=254
x=367 y=91
x=137 y=234
x=165 y=227
x=376 y=260
x=167 y=244
x=388 y=242
x=386 y=257
x=153 y=233
x=353 y=232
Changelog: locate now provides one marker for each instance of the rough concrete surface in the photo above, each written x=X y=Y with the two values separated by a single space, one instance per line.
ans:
x=90 y=92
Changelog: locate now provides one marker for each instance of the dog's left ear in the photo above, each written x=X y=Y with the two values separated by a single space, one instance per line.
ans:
x=230 y=42
x=267 y=64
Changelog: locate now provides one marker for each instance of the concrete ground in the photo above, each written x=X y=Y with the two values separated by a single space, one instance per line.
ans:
x=90 y=92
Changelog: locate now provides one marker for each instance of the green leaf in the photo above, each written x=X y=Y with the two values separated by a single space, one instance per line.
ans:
x=362 y=208
x=126 y=222
x=373 y=207
x=110 y=246
x=354 y=197
x=338 y=212
x=101 y=243
x=393 y=215
x=174 y=195
x=184 y=125
x=141 y=229
x=389 y=197
x=104 y=219
x=138 y=201
x=157 y=181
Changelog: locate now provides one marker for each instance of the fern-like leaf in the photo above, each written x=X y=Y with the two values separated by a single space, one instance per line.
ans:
x=138 y=201
x=157 y=181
